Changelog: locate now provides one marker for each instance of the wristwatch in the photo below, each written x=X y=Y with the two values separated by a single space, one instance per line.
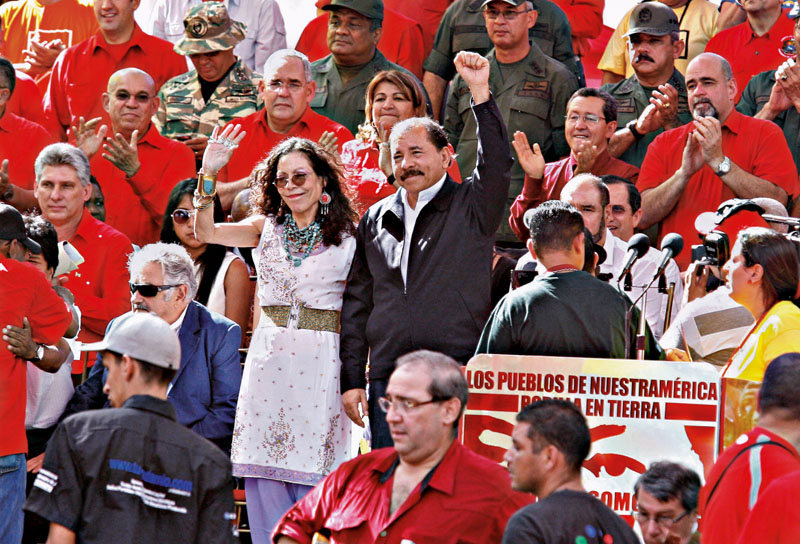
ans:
x=724 y=167
x=9 y=194
x=632 y=127
x=39 y=354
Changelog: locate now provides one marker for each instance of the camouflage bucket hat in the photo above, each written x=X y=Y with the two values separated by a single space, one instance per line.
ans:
x=209 y=28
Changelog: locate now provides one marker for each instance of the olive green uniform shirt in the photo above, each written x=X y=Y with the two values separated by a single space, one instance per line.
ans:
x=463 y=28
x=632 y=99
x=756 y=95
x=183 y=113
x=345 y=103
x=532 y=96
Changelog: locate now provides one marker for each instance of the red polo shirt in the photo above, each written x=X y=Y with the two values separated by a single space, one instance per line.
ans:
x=100 y=284
x=749 y=54
x=466 y=494
x=260 y=139
x=26 y=100
x=756 y=146
x=401 y=41
x=24 y=292
x=135 y=206
x=556 y=175
x=20 y=143
x=80 y=75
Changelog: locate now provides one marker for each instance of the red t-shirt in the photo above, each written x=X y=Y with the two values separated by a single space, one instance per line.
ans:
x=467 y=494
x=749 y=54
x=26 y=100
x=260 y=139
x=721 y=520
x=756 y=146
x=135 y=206
x=776 y=516
x=20 y=143
x=556 y=175
x=24 y=293
x=401 y=41
x=80 y=75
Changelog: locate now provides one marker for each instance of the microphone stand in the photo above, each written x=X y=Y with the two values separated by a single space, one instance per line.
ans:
x=670 y=295
x=640 y=340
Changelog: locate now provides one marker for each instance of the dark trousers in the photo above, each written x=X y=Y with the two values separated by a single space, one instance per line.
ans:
x=381 y=437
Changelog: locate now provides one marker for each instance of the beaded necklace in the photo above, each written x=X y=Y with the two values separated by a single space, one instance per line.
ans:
x=297 y=240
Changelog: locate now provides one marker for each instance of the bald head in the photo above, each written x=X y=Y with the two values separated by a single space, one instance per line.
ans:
x=711 y=86
x=589 y=195
x=122 y=75
x=130 y=101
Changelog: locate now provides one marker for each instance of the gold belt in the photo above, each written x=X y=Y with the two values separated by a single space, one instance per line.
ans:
x=308 y=318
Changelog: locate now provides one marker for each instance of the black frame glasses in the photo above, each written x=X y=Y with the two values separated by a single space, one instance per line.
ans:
x=662 y=521
x=148 y=290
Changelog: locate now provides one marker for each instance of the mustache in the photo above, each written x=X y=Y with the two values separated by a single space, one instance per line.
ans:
x=140 y=306
x=409 y=173
x=643 y=57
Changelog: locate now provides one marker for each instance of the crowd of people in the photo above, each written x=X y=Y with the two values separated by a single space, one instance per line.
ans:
x=225 y=262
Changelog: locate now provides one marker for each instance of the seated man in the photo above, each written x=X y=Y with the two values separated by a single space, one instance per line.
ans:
x=666 y=498
x=220 y=88
x=722 y=154
x=565 y=311
x=138 y=166
x=427 y=488
x=133 y=474
x=591 y=120
x=549 y=444
x=205 y=389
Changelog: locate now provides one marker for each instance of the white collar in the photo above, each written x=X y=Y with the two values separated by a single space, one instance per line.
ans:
x=425 y=196
x=176 y=325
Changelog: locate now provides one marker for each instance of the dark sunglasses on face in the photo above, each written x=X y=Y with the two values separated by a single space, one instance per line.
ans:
x=181 y=216
x=147 y=290
x=298 y=179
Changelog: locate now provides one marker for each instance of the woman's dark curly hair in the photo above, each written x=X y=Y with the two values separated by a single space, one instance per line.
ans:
x=265 y=199
x=211 y=259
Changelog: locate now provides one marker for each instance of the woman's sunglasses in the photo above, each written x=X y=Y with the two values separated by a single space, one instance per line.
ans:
x=181 y=216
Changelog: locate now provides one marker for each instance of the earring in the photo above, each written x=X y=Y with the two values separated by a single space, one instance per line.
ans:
x=324 y=200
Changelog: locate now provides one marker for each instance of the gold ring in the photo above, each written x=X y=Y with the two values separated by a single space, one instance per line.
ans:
x=665 y=106
x=784 y=77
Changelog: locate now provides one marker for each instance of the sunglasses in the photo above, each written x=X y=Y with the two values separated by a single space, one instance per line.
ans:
x=298 y=179
x=147 y=290
x=181 y=216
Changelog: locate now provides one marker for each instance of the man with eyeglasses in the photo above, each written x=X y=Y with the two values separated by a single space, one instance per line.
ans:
x=427 y=488
x=206 y=387
x=220 y=87
x=287 y=90
x=137 y=165
x=666 y=504
x=530 y=88
x=591 y=119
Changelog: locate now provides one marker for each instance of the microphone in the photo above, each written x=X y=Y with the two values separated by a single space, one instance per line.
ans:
x=638 y=245
x=671 y=246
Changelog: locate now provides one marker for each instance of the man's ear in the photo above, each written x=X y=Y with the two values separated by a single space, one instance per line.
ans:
x=637 y=217
x=529 y=245
x=376 y=35
x=129 y=367
x=452 y=407
x=182 y=292
x=677 y=49
x=106 y=98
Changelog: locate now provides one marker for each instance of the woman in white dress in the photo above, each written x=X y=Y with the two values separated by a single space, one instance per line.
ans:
x=291 y=429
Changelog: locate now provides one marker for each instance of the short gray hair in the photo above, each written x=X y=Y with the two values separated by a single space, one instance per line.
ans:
x=280 y=57
x=61 y=154
x=176 y=264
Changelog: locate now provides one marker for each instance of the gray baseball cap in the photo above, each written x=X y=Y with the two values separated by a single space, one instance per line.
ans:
x=509 y=2
x=652 y=18
x=371 y=9
x=12 y=227
x=144 y=337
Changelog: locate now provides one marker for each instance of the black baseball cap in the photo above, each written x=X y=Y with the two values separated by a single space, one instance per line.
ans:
x=12 y=227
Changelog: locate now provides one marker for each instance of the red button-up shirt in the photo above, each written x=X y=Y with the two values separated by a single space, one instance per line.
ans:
x=26 y=100
x=80 y=75
x=100 y=284
x=466 y=499
x=556 y=175
x=749 y=54
x=260 y=139
x=24 y=292
x=754 y=145
x=20 y=143
x=135 y=206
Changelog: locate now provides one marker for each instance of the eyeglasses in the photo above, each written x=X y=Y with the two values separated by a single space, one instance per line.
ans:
x=403 y=405
x=662 y=521
x=589 y=118
x=124 y=96
x=147 y=290
x=298 y=179
x=292 y=86
x=493 y=14
x=181 y=216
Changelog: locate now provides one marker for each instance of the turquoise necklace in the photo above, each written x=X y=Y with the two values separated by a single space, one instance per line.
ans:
x=301 y=241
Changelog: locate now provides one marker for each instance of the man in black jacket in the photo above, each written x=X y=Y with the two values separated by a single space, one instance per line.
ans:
x=432 y=292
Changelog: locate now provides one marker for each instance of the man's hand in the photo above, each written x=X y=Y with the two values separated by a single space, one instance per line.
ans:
x=327 y=141
x=708 y=133
x=41 y=56
x=197 y=144
x=34 y=464
x=692 y=159
x=665 y=99
x=530 y=158
x=585 y=155
x=351 y=399
x=474 y=70
x=5 y=181
x=787 y=77
x=124 y=155
x=217 y=154
x=20 y=340
x=695 y=281
x=87 y=139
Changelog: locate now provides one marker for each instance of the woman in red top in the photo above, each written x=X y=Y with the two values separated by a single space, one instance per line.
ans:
x=391 y=97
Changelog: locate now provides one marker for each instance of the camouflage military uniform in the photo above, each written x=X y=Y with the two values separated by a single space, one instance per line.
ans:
x=632 y=99
x=345 y=103
x=532 y=99
x=184 y=114
x=756 y=95
x=463 y=29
